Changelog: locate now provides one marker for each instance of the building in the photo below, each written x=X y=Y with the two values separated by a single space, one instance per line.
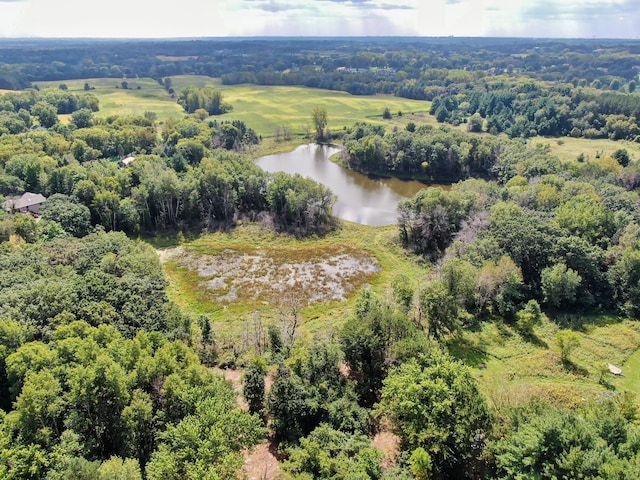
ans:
x=27 y=203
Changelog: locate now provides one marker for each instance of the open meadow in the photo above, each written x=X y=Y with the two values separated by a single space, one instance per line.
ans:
x=263 y=108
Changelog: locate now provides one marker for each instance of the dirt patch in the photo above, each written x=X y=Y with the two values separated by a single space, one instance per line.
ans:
x=235 y=378
x=260 y=463
x=390 y=446
x=266 y=275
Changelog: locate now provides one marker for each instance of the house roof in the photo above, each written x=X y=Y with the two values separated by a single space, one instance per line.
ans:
x=28 y=199
x=128 y=160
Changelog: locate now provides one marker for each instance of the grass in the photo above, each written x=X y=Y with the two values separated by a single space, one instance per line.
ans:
x=512 y=369
x=263 y=108
x=630 y=379
x=379 y=243
x=114 y=100
x=568 y=148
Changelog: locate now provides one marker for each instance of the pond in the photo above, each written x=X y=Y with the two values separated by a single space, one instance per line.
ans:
x=361 y=199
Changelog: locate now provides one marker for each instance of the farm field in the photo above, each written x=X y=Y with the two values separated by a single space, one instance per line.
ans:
x=263 y=108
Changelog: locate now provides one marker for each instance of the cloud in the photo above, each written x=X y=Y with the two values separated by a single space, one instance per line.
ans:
x=370 y=5
x=272 y=6
x=589 y=10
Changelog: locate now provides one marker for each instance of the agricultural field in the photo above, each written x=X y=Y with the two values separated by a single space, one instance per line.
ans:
x=263 y=108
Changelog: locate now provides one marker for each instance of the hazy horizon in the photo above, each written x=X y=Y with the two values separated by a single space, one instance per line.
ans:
x=602 y=19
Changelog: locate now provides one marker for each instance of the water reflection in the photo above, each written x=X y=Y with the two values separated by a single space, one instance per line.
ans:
x=360 y=198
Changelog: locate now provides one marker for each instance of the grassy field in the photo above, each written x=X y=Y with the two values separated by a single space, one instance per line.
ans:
x=264 y=108
x=568 y=148
x=114 y=100
x=512 y=369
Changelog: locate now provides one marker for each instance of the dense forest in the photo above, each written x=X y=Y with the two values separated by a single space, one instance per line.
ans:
x=102 y=376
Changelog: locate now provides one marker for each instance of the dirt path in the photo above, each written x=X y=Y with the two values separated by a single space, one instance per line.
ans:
x=389 y=444
x=261 y=462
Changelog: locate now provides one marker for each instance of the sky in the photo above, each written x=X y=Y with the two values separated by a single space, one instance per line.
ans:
x=222 y=18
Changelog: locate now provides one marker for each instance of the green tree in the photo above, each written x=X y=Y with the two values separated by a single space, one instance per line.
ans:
x=253 y=385
x=559 y=286
x=82 y=118
x=119 y=469
x=205 y=444
x=329 y=453
x=435 y=404
x=529 y=317
x=567 y=342
x=439 y=308
x=319 y=120
x=420 y=464
x=593 y=441
x=74 y=218
x=25 y=226
x=47 y=114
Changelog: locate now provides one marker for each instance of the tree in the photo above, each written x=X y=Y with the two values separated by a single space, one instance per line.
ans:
x=434 y=404
x=592 y=441
x=82 y=118
x=73 y=217
x=319 y=119
x=119 y=469
x=329 y=453
x=25 y=226
x=439 y=308
x=253 y=386
x=47 y=114
x=559 y=285
x=474 y=124
x=529 y=317
x=207 y=443
x=567 y=342
x=386 y=114
x=622 y=156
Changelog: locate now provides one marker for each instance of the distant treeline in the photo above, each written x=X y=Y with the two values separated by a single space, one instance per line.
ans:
x=408 y=67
